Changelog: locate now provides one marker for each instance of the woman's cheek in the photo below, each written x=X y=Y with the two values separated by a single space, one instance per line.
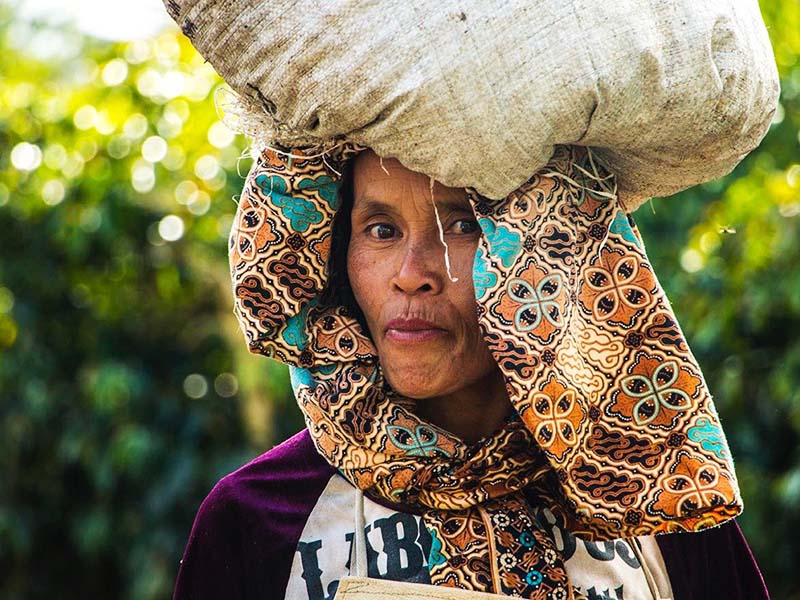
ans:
x=363 y=270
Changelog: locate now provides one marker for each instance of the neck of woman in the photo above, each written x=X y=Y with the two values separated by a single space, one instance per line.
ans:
x=472 y=412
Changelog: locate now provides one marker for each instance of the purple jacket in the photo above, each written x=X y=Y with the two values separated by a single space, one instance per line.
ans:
x=247 y=535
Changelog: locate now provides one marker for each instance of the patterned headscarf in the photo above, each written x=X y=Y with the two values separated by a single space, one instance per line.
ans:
x=614 y=428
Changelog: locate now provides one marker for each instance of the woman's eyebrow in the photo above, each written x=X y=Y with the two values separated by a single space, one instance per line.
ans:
x=369 y=205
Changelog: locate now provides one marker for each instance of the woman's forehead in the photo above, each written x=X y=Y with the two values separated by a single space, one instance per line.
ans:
x=388 y=182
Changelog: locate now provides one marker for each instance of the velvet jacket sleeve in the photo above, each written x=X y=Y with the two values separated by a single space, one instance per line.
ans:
x=716 y=563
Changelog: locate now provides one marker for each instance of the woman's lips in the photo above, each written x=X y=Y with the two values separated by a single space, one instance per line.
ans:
x=413 y=330
x=417 y=335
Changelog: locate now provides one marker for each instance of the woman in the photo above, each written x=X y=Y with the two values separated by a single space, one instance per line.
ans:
x=504 y=381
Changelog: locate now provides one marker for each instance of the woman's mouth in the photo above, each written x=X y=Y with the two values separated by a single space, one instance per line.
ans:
x=413 y=330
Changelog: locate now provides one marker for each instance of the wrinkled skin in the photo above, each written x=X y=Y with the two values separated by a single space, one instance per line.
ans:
x=397 y=270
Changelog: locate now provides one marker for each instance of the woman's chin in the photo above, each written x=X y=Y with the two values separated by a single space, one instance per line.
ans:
x=414 y=384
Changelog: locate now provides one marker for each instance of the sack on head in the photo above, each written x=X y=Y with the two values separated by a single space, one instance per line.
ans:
x=476 y=93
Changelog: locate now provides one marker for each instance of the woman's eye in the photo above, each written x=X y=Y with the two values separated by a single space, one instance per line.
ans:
x=381 y=231
x=466 y=226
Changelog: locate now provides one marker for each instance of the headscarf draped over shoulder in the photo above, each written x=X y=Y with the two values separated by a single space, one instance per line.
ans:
x=616 y=427
x=594 y=360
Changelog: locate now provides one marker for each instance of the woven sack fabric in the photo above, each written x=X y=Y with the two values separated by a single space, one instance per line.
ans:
x=476 y=93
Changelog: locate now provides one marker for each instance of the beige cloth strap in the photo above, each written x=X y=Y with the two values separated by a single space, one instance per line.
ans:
x=362 y=588
x=358 y=553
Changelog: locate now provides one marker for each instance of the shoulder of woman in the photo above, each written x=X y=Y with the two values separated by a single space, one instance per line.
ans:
x=292 y=472
x=246 y=530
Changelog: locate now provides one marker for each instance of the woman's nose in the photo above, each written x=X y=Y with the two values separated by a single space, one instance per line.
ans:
x=421 y=269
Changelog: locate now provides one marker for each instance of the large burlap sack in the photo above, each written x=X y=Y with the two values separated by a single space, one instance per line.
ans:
x=475 y=93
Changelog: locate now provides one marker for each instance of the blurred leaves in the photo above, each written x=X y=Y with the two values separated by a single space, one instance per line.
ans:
x=728 y=253
x=126 y=388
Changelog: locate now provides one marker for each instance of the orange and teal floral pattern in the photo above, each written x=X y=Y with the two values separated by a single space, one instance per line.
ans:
x=614 y=428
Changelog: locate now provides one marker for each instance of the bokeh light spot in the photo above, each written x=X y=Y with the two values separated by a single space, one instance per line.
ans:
x=171 y=84
x=220 y=136
x=167 y=49
x=199 y=203
x=195 y=386
x=154 y=149
x=692 y=261
x=53 y=192
x=103 y=123
x=226 y=385
x=26 y=157
x=8 y=332
x=114 y=72
x=185 y=190
x=118 y=147
x=793 y=175
x=143 y=177
x=224 y=224
x=55 y=155
x=206 y=167
x=84 y=118
x=21 y=95
x=91 y=219
x=73 y=165
x=171 y=228
x=174 y=159
x=135 y=126
x=792 y=209
x=137 y=51
x=6 y=300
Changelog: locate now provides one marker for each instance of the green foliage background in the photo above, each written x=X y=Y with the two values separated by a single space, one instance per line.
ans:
x=126 y=389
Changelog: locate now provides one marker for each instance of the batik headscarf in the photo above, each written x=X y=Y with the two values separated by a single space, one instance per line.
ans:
x=615 y=430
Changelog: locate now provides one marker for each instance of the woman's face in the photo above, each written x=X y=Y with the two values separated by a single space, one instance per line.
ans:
x=423 y=324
